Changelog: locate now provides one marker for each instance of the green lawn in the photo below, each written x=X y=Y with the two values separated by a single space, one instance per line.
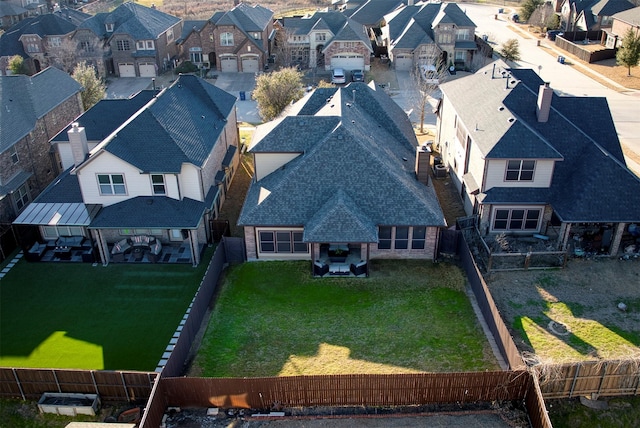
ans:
x=119 y=317
x=274 y=319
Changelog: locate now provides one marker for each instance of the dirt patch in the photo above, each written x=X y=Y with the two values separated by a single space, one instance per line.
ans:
x=235 y=196
x=586 y=291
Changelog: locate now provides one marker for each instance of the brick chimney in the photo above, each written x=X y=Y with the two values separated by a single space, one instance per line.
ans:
x=545 y=93
x=78 y=141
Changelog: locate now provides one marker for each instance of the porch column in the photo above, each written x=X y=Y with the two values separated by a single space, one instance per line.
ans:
x=615 y=244
x=315 y=251
x=193 y=242
x=103 y=249
x=565 y=231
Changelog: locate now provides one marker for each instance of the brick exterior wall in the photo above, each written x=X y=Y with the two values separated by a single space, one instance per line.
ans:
x=336 y=48
x=35 y=154
x=203 y=39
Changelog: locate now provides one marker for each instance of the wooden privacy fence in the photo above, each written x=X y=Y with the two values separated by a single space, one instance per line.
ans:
x=346 y=390
x=488 y=307
x=174 y=364
x=112 y=386
x=589 y=378
x=574 y=43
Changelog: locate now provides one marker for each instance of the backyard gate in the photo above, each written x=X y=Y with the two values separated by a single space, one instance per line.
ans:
x=448 y=242
x=234 y=249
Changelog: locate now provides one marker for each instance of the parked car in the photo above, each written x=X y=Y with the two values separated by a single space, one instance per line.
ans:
x=552 y=34
x=337 y=76
x=357 y=76
x=515 y=17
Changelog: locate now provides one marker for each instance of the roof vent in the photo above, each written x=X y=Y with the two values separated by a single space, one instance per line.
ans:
x=353 y=121
x=339 y=136
x=511 y=120
x=149 y=201
x=501 y=108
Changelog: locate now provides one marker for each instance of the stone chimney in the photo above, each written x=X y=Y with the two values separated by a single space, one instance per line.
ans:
x=545 y=93
x=78 y=141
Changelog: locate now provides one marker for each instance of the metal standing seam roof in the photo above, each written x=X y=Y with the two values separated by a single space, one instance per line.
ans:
x=58 y=214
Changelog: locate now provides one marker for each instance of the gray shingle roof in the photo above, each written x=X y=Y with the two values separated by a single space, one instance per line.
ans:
x=631 y=16
x=153 y=212
x=373 y=11
x=359 y=172
x=611 y=7
x=107 y=115
x=24 y=99
x=43 y=26
x=190 y=26
x=590 y=181
x=247 y=18
x=181 y=126
x=10 y=9
x=139 y=22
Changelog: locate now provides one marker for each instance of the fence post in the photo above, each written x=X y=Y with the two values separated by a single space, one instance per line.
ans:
x=124 y=385
x=15 y=374
x=527 y=260
x=56 y=378
x=604 y=373
x=95 y=385
x=575 y=378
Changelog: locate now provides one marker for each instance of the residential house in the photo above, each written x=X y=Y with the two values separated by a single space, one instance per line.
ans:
x=34 y=109
x=11 y=14
x=336 y=177
x=130 y=41
x=528 y=161
x=328 y=40
x=159 y=178
x=42 y=41
x=33 y=7
x=590 y=15
x=232 y=41
x=371 y=14
x=621 y=23
x=429 y=34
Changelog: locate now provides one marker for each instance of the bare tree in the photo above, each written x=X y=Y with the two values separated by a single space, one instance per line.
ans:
x=284 y=48
x=540 y=16
x=426 y=79
x=70 y=52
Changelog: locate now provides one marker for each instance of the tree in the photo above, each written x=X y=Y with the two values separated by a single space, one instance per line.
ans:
x=629 y=53
x=510 y=50
x=16 y=65
x=528 y=7
x=540 y=16
x=94 y=88
x=426 y=79
x=275 y=91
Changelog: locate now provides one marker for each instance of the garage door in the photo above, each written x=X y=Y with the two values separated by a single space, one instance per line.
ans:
x=348 y=61
x=147 y=69
x=126 y=70
x=403 y=62
x=250 y=64
x=228 y=64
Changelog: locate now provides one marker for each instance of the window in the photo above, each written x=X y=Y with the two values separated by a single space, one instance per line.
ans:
x=86 y=46
x=418 y=238
x=123 y=45
x=460 y=55
x=257 y=36
x=169 y=35
x=157 y=181
x=321 y=37
x=402 y=238
x=516 y=219
x=142 y=45
x=282 y=241
x=21 y=196
x=444 y=38
x=384 y=238
x=463 y=34
x=14 y=155
x=109 y=28
x=112 y=184
x=33 y=47
x=195 y=55
x=520 y=170
x=226 y=39
x=54 y=42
